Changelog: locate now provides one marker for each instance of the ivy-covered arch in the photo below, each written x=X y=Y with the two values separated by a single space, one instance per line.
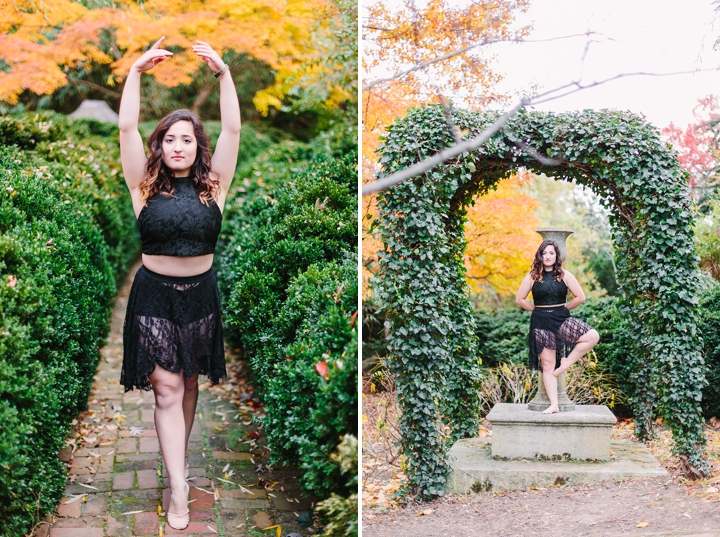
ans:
x=431 y=339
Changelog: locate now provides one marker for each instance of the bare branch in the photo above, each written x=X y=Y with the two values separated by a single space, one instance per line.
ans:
x=578 y=86
x=545 y=161
x=443 y=155
x=93 y=85
x=449 y=55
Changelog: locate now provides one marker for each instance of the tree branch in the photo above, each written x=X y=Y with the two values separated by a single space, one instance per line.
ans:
x=449 y=55
x=443 y=155
x=95 y=86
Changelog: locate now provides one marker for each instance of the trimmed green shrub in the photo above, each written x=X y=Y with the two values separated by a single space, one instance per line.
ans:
x=67 y=232
x=288 y=273
x=613 y=350
x=709 y=328
x=503 y=336
x=341 y=513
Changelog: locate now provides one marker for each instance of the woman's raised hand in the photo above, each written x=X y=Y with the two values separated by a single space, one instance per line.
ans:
x=207 y=53
x=152 y=57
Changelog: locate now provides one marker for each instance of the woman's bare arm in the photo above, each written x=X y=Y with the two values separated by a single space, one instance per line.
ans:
x=523 y=292
x=224 y=159
x=132 y=152
x=575 y=289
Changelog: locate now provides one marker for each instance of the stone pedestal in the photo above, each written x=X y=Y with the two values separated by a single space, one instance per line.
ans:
x=541 y=401
x=520 y=433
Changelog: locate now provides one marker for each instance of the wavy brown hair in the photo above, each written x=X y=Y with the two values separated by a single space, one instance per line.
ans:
x=158 y=177
x=536 y=272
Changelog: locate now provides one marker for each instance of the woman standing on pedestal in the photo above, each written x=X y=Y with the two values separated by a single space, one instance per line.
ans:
x=173 y=317
x=552 y=328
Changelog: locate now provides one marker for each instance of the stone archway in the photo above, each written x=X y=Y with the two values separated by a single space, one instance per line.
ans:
x=431 y=342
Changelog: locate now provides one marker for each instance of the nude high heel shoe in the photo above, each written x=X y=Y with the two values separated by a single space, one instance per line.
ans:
x=179 y=521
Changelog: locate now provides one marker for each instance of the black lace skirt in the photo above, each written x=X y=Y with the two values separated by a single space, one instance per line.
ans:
x=556 y=329
x=174 y=323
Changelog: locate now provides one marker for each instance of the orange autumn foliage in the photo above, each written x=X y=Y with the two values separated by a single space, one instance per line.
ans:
x=402 y=36
x=501 y=238
x=51 y=37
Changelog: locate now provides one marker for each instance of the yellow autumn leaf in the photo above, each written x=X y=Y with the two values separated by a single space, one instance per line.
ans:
x=643 y=525
x=276 y=527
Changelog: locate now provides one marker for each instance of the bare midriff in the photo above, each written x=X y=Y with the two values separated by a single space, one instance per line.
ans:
x=553 y=306
x=178 y=266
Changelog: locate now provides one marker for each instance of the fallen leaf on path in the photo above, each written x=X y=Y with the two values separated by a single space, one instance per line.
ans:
x=425 y=512
x=643 y=525
x=277 y=528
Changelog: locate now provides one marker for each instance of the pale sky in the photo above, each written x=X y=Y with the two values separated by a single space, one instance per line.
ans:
x=653 y=36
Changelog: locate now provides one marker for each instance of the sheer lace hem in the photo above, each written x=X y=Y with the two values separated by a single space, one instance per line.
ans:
x=173 y=324
x=556 y=330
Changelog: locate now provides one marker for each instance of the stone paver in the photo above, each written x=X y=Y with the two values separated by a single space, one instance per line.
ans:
x=116 y=480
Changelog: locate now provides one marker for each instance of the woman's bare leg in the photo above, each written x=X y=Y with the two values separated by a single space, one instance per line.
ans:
x=169 y=390
x=189 y=404
x=547 y=358
x=582 y=345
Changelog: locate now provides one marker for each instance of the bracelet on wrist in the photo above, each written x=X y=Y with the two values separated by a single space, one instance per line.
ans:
x=221 y=71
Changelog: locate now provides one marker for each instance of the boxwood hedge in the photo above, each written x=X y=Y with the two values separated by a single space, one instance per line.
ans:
x=67 y=234
x=288 y=274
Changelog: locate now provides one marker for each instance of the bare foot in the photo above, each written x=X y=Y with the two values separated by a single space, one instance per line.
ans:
x=551 y=410
x=564 y=366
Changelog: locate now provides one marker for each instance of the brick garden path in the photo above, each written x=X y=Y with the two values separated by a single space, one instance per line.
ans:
x=116 y=485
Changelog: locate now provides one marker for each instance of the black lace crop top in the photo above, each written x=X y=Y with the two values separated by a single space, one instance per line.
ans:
x=549 y=291
x=180 y=225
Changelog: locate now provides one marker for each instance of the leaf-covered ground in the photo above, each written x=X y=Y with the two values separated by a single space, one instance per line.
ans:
x=610 y=508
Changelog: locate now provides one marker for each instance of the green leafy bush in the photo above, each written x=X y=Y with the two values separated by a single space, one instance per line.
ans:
x=341 y=513
x=709 y=328
x=288 y=273
x=66 y=235
x=613 y=350
x=503 y=336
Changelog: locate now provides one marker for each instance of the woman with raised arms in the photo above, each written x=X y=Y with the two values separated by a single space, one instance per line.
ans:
x=173 y=329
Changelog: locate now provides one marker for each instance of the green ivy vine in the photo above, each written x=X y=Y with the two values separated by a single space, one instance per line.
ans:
x=433 y=351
